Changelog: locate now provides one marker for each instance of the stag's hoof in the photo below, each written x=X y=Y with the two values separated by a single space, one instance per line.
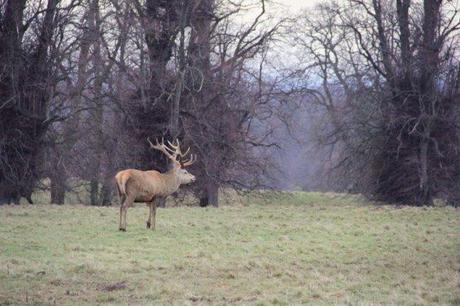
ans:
x=122 y=229
x=148 y=224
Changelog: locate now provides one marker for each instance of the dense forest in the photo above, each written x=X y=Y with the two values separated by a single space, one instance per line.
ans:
x=366 y=93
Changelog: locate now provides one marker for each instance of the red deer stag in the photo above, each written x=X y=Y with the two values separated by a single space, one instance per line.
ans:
x=144 y=186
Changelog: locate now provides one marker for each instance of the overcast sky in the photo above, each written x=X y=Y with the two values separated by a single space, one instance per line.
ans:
x=277 y=8
x=295 y=5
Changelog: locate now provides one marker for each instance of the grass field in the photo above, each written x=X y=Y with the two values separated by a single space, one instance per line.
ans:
x=292 y=249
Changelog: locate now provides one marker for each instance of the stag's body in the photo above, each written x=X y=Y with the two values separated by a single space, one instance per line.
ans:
x=146 y=186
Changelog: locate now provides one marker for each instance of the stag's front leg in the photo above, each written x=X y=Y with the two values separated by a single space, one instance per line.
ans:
x=152 y=213
x=149 y=220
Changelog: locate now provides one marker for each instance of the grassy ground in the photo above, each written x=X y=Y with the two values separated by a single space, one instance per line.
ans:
x=300 y=248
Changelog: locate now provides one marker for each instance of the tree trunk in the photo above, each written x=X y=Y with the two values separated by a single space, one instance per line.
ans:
x=58 y=182
x=424 y=195
x=25 y=88
x=11 y=64
x=107 y=177
x=152 y=117
x=94 y=192
x=107 y=173
x=210 y=196
x=57 y=192
x=106 y=192
x=98 y=112
x=199 y=53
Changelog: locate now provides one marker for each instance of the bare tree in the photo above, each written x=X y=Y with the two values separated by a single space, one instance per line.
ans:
x=224 y=97
x=202 y=91
x=29 y=51
x=388 y=86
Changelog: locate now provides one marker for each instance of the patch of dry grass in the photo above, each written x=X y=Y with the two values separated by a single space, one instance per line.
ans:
x=291 y=249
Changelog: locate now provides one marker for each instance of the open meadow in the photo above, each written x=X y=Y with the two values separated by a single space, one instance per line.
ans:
x=289 y=249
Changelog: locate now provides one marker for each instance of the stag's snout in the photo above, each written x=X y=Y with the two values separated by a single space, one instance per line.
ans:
x=190 y=179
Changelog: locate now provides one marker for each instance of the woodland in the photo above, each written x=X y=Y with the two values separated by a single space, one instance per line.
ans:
x=84 y=83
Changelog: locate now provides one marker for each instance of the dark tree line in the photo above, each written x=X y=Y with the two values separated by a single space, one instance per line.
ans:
x=29 y=57
x=84 y=83
x=389 y=74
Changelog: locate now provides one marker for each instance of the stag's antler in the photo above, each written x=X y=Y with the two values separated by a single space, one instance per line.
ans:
x=172 y=151
x=177 y=148
x=188 y=162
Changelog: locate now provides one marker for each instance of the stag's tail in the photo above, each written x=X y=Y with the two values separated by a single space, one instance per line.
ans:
x=121 y=180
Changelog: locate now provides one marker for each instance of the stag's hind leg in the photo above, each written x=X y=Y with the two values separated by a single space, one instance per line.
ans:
x=120 y=227
x=123 y=210
x=122 y=201
x=152 y=212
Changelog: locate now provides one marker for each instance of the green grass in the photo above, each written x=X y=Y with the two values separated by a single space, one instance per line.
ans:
x=293 y=248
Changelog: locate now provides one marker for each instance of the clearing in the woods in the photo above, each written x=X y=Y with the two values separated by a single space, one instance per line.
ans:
x=288 y=249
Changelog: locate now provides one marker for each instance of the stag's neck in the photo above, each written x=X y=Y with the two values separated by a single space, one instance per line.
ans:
x=171 y=182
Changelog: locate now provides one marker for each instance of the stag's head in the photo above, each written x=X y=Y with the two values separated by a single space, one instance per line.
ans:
x=177 y=158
